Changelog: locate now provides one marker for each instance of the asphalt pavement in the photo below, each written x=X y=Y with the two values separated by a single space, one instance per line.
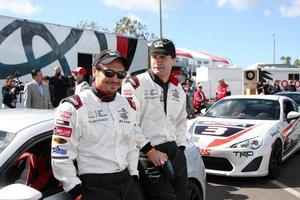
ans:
x=285 y=187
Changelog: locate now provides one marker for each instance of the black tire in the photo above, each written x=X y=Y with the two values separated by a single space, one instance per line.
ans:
x=194 y=191
x=275 y=161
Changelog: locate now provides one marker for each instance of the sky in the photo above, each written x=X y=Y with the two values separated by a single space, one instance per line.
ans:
x=243 y=31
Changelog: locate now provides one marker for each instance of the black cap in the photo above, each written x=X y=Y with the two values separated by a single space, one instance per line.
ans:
x=107 y=56
x=163 y=46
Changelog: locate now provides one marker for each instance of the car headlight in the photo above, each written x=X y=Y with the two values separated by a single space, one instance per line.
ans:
x=253 y=143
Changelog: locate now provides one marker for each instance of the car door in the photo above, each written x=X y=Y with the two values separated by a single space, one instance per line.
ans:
x=291 y=133
x=31 y=165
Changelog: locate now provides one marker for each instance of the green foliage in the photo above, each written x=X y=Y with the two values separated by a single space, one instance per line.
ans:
x=286 y=60
x=91 y=25
x=132 y=28
x=297 y=63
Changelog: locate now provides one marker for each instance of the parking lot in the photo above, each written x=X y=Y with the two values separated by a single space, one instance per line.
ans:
x=287 y=186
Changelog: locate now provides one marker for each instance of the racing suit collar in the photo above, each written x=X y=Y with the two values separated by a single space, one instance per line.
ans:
x=103 y=96
x=156 y=79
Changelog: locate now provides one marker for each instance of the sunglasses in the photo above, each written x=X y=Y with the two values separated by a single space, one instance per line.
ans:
x=110 y=73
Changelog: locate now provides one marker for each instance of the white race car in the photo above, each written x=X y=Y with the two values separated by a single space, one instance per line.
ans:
x=247 y=136
x=25 y=146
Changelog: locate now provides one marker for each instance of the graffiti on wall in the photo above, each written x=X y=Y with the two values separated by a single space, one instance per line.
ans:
x=126 y=46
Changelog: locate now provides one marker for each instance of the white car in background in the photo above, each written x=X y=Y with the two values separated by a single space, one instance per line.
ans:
x=245 y=136
x=30 y=130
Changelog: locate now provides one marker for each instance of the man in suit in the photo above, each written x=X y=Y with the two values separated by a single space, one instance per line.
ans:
x=36 y=94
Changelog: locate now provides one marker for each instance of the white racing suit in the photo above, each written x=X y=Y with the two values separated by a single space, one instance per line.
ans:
x=161 y=110
x=83 y=85
x=100 y=136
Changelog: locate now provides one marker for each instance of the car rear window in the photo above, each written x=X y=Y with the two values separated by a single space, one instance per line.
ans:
x=5 y=139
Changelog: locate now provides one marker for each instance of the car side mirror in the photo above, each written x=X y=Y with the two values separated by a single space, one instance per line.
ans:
x=19 y=191
x=292 y=115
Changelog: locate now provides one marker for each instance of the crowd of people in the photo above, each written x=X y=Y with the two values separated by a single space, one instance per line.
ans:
x=267 y=88
x=43 y=92
x=196 y=99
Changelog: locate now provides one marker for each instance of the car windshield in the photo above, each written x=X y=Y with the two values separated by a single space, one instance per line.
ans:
x=257 y=109
x=294 y=97
x=5 y=139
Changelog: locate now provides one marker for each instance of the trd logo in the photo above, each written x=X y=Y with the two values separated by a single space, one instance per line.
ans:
x=243 y=153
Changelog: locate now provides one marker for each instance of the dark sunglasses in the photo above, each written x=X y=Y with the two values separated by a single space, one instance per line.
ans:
x=110 y=73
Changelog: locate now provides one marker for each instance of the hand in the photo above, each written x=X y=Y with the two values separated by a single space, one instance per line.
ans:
x=78 y=197
x=158 y=158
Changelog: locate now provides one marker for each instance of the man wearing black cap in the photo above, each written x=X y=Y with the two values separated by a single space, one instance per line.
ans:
x=161 y=106
x=97 y=128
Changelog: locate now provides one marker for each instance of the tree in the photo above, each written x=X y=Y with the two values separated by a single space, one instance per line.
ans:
x=286 y=60
x=297 y=63
x=132 y=28
x=91 y=25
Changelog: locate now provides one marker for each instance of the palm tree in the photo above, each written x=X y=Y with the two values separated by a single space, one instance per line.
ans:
x=286 y=60
x=297 y=63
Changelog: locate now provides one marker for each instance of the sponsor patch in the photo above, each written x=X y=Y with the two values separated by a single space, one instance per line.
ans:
x=59 y=140
x=175 y=95
x=65 y=114
x=62 y=122
x=63 y=131
x=124 y=116
x=127 y=93
x=151 y=94
x=59 y=150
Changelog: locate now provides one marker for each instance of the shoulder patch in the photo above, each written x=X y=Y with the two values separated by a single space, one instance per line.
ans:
x=74 y=100
x=131 y=103
x=134 y=81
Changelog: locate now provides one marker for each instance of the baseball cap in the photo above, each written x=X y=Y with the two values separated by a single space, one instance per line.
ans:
x=107 y=56
x=199 y=85
x=80 y=70
x=163 y=46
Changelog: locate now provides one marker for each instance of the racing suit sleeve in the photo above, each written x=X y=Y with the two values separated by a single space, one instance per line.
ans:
x=135 y=95
x=181 y=139
x=64 y=148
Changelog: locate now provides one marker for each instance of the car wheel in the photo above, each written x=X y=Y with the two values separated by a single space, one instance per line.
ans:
x=275 y=161
x=195 y=191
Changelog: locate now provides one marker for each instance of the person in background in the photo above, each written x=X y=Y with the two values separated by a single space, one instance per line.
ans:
x=161 y=107
x=60 y=86
x=81 y=84
x=189 y=100
x=98 y=129
x=199 y=100
x=291 y=87
x=260 y=87
x=275 y=87
x=37 y=94
x=9 y=93
x=223 y=89
x=267 y=88
x=46 y=81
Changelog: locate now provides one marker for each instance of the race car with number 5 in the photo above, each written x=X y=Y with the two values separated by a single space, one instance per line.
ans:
x=247 y=135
